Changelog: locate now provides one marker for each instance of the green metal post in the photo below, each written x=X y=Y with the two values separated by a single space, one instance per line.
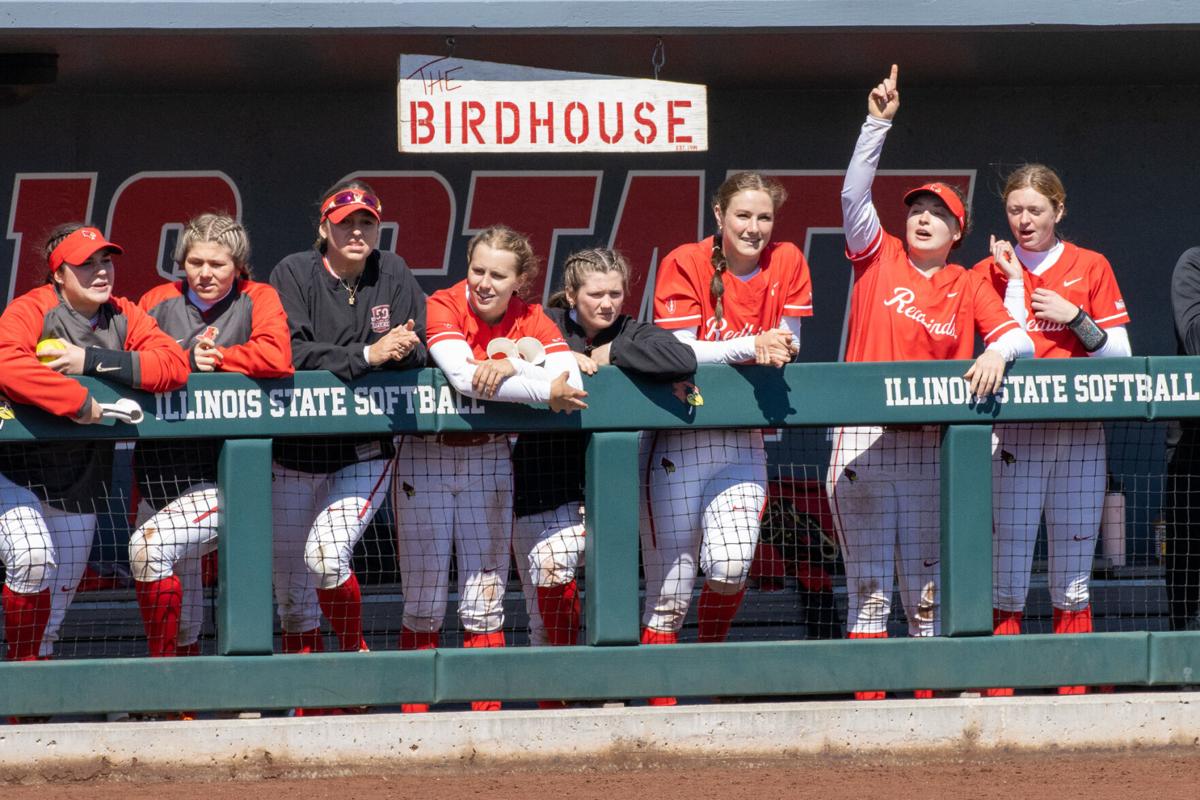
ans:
x=966 y=602
x=612 y=502
x=244 y=602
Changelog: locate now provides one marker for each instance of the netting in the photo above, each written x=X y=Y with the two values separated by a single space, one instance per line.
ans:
x=1093 y=527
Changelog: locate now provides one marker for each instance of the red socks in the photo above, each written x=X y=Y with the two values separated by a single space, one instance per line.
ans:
x=1004 y=623
x=25 y=618
x=559 y=606
x=651 y=636
x=342 y=606
x=716 y=613
x=489 y=639
x=414 y=640
x=1073 y=622
x=310 y=641
x=869 y=695
x=161 y=604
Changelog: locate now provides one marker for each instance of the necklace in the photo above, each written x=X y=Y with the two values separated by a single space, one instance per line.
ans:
x=351 y=290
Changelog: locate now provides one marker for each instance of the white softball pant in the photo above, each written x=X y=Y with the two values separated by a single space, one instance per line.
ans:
x=707 y=490
x=1055 y=468
x=884 y=491
x=460 y=497
x=319 y=518
x=549 y=548
x=172 y=542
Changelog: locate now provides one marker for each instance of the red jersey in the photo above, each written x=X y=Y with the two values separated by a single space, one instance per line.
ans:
x=682 y=297
x=249 y=326
x=899 y=314
x=160 y=364
x=449 y=317
x=1085 y=279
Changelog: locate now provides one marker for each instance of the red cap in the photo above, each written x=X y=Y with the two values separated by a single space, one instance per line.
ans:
x=340 y=205
x=78 y=247
x=944 y=193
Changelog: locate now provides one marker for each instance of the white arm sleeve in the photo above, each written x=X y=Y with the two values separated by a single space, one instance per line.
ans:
x=793 y=325
x=1014 y=301
x=859 y=219
x=554 y=365
x=1013 y=344
x=729 y=351
x=451 y=357
x=1117 y=345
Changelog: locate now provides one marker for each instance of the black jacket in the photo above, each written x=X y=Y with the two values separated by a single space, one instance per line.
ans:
x=329 y=333
x=548 y=468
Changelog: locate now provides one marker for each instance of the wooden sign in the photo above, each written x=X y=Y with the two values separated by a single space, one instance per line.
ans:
x=454 y=105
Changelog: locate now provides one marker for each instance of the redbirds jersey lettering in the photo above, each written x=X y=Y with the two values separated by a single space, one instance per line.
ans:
x=1044 y=325
x=715 y=330
x=902 y=302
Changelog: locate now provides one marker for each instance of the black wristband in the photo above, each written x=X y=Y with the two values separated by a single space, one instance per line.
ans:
x=1090 y=335
x=115 y=365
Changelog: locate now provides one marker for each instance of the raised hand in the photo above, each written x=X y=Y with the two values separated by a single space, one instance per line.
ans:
x=1049 y=305
x=884 y=100
x=1005 y=257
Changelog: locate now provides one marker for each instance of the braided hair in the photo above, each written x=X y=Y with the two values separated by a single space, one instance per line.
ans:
x=218 y=228
x=738 y=182
x=578 y=266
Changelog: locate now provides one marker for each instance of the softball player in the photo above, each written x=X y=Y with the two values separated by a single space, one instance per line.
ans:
x=227 y=323
x=351 y=309
x=548 y=469
x=735 y=298
x=455 y=490
x=1074 y=310
x=907 y=304
x=49 y=490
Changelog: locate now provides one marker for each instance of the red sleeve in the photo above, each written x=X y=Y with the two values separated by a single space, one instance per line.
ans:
x=882 y=246
x=442 y=322
x=22 y=377
x=164 y=291
x=676 y=297
x=268 y=353
x=991 y=317
x=546 y=332
x=1107 y=306
x=163 y=364
x=799 y=301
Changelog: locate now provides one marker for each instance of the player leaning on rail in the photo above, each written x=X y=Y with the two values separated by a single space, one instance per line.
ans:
x=49 y=491
x=908 y=304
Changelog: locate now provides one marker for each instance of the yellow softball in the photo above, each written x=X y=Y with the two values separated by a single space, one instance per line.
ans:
x=49 y=344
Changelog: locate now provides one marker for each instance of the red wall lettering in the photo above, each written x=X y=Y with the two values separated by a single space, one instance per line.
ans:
x=539 y=204
x=41 y=201
x=658 y=212
x=148 y=205
x=419 y=208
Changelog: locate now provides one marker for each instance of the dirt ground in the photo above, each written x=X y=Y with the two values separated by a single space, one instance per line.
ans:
x=1162 y=774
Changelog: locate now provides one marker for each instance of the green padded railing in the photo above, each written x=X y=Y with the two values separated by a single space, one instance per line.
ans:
x=610 y=665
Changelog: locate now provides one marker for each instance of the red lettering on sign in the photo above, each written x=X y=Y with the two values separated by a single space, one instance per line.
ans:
x=658 y=212
x=536 y=122
x=472 y=116
x=639 y=114
x=576 y=136
x=503 y=106
x=543 y=205
x=148 y=205
x=41 y=201
x=419 y=209
x=420 y=113
x=612 y=138
x=674 y=121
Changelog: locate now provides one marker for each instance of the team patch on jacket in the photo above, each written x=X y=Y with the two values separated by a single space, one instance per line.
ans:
x=381 y=319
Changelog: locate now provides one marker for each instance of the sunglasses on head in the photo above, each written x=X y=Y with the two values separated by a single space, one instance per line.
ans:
x=351 y=197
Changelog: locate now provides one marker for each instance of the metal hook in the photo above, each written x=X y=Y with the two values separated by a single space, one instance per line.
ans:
x=450 y=45
x=658 y=57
